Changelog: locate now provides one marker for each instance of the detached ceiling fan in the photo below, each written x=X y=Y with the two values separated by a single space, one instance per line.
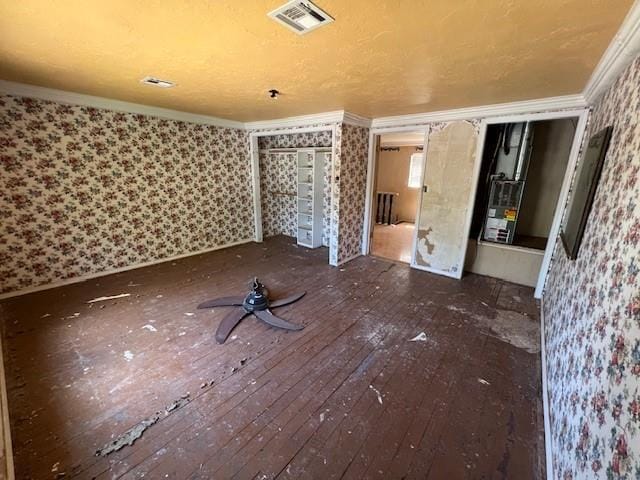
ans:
x=256 y=302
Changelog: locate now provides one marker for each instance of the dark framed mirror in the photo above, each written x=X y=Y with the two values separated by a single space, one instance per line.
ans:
x=584 y=190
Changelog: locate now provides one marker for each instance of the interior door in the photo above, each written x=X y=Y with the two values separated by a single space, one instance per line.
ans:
x=441 y=236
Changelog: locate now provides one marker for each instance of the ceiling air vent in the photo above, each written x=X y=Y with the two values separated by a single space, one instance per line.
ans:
x=300 y=16
x=156 y=82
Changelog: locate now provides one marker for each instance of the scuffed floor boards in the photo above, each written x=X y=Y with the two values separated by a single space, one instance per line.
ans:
x=6 y=452
x=396 y=371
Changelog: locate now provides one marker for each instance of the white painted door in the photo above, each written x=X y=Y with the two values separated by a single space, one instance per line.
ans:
x=445 y=201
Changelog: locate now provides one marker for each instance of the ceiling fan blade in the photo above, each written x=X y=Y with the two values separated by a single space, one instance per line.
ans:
x=229 y=322
x=268 y=317
x=286 y=301
x=222 y=302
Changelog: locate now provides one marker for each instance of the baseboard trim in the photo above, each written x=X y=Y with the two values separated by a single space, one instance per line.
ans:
x=8 y=471
x=348 y=259
x=91 y=276
x=545 y=397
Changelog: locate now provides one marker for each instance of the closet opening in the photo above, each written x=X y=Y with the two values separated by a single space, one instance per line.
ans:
x=521 y=176
x=398 y=165
x=295 y=187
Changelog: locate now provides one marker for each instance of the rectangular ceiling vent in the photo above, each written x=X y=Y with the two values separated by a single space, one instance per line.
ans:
x=300 y=16
x=156 y=82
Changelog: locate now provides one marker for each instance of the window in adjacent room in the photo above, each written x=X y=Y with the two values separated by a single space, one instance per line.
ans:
x=415 y=170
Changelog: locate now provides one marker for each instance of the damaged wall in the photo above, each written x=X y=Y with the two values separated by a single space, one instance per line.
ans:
x=592 y=311
x=86 y=190
x=448 y=177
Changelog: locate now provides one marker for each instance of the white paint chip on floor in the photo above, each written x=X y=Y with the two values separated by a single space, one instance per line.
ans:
x=111 y=297
x=377 y=393
x=421 y=337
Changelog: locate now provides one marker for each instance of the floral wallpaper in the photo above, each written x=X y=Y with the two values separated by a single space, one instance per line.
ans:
x=296 y=140
x=278 y=182
x=334 y=220
x=353 y=183
x=278 y=191
x=326 y=199
x=85 y=190
x=333 y=171
x=592 y=312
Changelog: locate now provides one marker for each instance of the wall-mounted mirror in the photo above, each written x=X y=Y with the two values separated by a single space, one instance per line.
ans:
x=584 y=190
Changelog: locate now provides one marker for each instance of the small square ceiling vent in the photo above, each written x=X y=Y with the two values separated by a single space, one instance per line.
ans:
x=300 y=16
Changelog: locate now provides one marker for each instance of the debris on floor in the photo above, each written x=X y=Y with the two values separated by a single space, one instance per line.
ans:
x=377 y=393
x=128 y=356
x=134 y=433
x=517 y=329
x=508 y=326
x=421 y=337
x=483 y=381
x=151 y=328
x=111 y=297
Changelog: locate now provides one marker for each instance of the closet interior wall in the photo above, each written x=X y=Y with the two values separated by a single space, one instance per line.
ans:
x=278 y=181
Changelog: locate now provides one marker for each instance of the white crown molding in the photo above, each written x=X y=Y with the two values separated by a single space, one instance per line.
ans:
x=357 y=120
x=318 y=119
x=622 y=50
x=61 y=96
x=324 y=118
x=336 y=116
x=500 y=109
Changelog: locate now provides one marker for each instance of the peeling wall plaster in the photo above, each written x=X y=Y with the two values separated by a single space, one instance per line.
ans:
x=449 y=164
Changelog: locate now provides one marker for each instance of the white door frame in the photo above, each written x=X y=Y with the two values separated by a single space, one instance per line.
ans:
x=368 y=204
x=254 y=153
x=582 y=115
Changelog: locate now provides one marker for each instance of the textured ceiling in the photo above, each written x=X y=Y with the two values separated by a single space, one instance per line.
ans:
x=378 y=58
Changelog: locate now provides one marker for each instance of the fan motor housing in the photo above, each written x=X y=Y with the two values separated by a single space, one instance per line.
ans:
x=255 y=301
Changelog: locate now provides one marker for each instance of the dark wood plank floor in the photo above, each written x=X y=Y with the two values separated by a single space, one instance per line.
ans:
x=347 y=397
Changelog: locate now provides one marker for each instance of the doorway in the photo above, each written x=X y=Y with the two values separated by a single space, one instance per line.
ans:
x=399 y=160
x=519 y=192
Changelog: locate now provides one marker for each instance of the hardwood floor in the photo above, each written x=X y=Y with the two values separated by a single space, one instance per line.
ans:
x=350 y=396
x=393 y=241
